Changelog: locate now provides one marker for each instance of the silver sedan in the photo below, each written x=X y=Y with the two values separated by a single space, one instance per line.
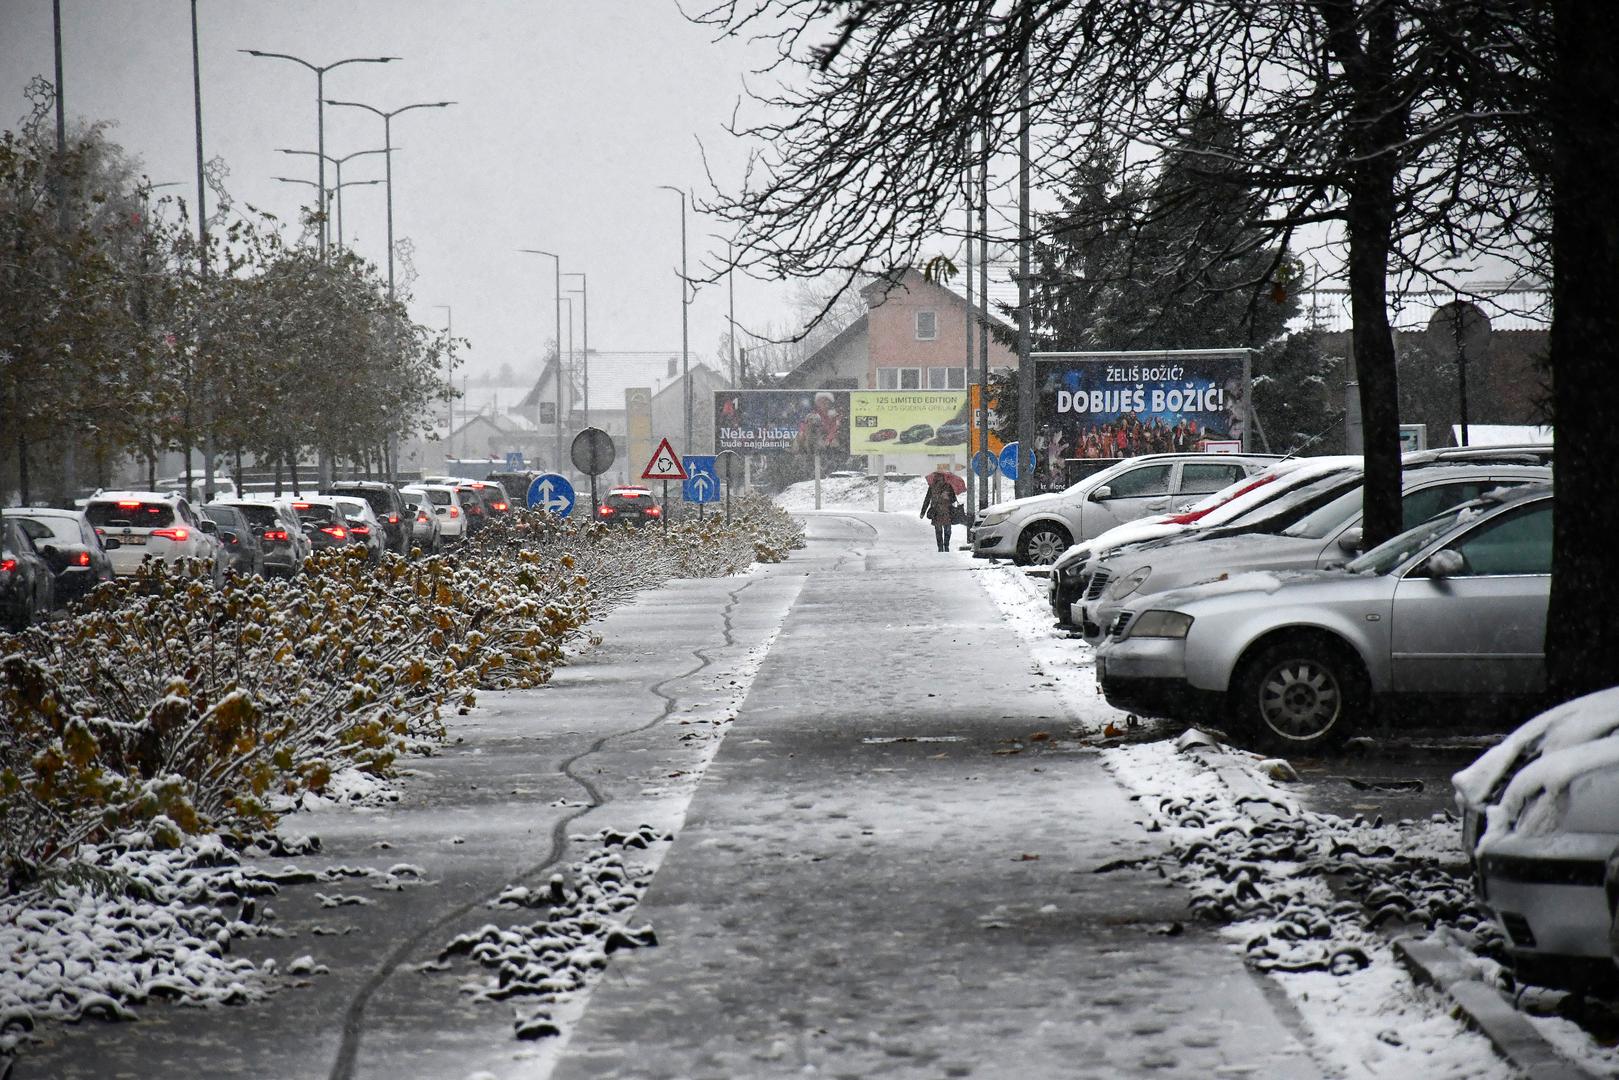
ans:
x=1453 y=608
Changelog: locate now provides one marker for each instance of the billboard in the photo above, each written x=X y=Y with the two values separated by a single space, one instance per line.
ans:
x=897 y=422
x=782 y=421
x=1116 y=405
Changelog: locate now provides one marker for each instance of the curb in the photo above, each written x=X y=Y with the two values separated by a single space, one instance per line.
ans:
x=1485 y=1010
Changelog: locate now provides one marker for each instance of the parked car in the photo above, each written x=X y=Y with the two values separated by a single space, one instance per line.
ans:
x=1524 y=804
x=243 y=552
x=515 y=484
x=65 y=539
x=472 y=506
x=325 y=524
x=26 y=583
x=1037 y=529
x=1453 y=610
x=1326 y=536
x=280 y=534
x=1260 y=496
x=447 y=509
x=156 y=524
x=425 y=533
x=628 y=506
x=363 y=524
x=387 y=505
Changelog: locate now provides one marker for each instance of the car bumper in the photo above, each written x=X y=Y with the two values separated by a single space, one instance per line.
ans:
x=993 y=542
x=1552 y=911
x=1148 y=675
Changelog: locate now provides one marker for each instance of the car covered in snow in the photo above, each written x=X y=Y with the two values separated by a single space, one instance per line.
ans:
x=1256 y=497
x=1540 y=820
x=1328 y=535
x=1452 y=610
x=1039 y=528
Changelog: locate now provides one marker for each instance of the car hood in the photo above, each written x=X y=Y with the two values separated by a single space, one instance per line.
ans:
x=1267 y=588
x=1048 y=501
x=1213 y=555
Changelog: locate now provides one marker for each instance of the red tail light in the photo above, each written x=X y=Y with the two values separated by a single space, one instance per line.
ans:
x=129 y=505
x=179 y=534
x=83 y=559
x=360 y=530
x=607 y=511
x=421 y=515
x=393 y=519
x=336 y=532
x=300 y=506
x=654 y=512
x=502 y=506
x=7 y=566
x=454 y=513
x=275 y=534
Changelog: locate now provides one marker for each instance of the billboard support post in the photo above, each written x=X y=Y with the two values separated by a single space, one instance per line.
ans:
x=817 y=479
x=882 y=483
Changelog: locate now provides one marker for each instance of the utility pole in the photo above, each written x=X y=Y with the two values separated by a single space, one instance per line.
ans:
x=1025 y=364
x=685 y=305
x=70 y=459
x=584 y=319
x=202 y=280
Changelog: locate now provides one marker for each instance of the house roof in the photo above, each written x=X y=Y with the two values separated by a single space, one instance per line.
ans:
x=819 y=357
x=1508 y=307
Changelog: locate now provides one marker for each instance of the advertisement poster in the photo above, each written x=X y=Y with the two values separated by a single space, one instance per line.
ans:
x=1126 y=404
x=782 y=421
x=908 y=422
x=980 y=422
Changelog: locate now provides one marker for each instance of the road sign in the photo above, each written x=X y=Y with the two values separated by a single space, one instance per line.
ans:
x=665 y=464
x=1010 y=460
x=514 y=459
x=702 y=479
x=592 y=451
x=553 y=492
x=984 y=463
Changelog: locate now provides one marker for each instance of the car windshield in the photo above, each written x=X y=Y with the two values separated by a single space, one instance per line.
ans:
x=1291 y=504
x=317 y=513
x=628 y=498
x=1392 y=553
x=1329 y=516
x=260 y=514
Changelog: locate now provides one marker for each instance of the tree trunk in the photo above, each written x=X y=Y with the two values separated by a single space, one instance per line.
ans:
x=1582 y=634
x=292 y=463
x=22 y=469
x=280 y=459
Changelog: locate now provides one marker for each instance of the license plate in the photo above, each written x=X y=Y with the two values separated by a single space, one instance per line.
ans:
x=132 y=541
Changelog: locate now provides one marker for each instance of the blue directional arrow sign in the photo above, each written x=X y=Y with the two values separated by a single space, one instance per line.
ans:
x=702 y=483
x=984 y=463
x=1011 y=460
x=553 y=492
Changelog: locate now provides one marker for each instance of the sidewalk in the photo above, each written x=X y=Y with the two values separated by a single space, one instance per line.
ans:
x=870 y=884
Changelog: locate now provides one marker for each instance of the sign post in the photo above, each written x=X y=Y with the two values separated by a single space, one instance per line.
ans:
x=665 y=465
x=725 y=461
x=592 y=453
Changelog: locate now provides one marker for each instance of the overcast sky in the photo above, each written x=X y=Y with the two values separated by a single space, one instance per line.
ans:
x=569 y=116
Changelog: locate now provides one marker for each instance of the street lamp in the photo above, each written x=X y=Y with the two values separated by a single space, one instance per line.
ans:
x=557 y=260
x=336 y=189
x=337 y=162
x=387 y=145
x=320 y=71
x=584 y=320
x=685 y=304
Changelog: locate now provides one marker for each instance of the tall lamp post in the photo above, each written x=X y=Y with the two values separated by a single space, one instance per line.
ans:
x=584 y=327
x=202 y=266
x=685 y=305
x=335 y=190
x=449 y=381
x=387 y=147
x=320 y=71
x=337 y=163
x=557 y=285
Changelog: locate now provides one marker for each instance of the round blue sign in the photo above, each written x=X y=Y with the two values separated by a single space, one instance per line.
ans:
x=984 y=463
x=1010 y=460
x=553 y=492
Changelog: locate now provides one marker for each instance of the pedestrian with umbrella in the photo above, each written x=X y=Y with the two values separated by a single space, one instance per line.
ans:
x=941 y=505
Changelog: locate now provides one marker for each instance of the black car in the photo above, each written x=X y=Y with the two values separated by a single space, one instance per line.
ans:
x=68 y=543
x=280 y=535
x=27 y=589
x=628 y=506
x=515 y=484
x=386 y=503
x=325 y=524
x=242 y=545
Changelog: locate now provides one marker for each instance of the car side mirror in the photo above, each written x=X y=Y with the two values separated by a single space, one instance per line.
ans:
x=1102 y=494
x=109 y=544
x=1350 y=540
x=210 y=528
x=1445 y=563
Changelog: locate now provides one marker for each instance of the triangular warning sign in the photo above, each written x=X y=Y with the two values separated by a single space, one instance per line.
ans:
x=665 y=464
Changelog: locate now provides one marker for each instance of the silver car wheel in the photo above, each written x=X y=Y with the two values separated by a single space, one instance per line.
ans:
x=1044 y=545
x=1300 y=699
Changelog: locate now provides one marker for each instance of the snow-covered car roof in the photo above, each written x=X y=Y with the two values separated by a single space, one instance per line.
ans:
x=1530 y=803
x=1573 y=723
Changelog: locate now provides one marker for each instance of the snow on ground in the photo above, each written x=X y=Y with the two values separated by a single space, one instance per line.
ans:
x=855 y=493
x=1310 y=898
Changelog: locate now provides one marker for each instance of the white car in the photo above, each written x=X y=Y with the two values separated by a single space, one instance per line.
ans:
x=1453 y=609
x=446 y=503
x=156 y=524
x=364 y=525
x=1037 y=529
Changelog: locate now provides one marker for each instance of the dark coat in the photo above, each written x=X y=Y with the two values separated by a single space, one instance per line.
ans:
x=938 y=503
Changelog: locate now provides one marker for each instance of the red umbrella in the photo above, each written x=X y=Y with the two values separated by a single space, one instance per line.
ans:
x=956 y=482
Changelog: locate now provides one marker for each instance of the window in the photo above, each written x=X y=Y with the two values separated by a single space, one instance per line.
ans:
x=1514 y=543
x=927 y=325
x=1200 y=479
x=899 y=378
x=947 y=378
x=674 y=367
x=548 y=412
x=1151 y=480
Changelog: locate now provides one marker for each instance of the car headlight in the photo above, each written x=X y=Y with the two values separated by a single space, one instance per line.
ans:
x=992 y=516
x=1069 y=567
x=1161 y=624
x=1129 y=583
